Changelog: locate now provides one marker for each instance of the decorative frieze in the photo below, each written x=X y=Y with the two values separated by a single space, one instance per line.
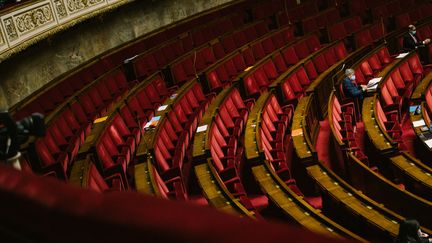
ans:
x=34 y=18
x=34 y=21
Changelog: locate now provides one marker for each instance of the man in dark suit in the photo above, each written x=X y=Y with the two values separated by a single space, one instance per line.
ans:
x=412 y=42
x=350 y=87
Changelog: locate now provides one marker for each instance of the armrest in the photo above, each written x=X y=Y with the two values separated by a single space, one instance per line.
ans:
x=228 y=174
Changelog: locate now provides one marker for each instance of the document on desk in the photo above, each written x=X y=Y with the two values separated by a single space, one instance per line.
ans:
x=402 y=55
x=428 y=143
x=419 y=123
x=374 y=82
x=202 y=128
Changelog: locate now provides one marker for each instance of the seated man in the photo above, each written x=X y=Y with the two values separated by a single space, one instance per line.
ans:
x=411 y=41
x=350 y=87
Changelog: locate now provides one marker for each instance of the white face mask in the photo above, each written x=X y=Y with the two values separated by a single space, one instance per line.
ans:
x=352 y=77
x=413 y=32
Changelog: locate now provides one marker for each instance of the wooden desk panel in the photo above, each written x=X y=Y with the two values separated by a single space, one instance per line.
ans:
x=200 y=146
x=298 y=133
x=216 y=193
x=295 y=207
x=379 y=140
x=368 y=210
x=252 y=131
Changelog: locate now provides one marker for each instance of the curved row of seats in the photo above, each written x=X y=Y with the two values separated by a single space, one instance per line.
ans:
x=161 y=144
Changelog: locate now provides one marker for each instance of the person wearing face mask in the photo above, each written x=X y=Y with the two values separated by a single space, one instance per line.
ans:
x=350 y=87
x=409 y=231
x=411 y=41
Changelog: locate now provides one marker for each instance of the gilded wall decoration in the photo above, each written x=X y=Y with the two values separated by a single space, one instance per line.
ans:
x=2 y=41
x=78 y=5
x=34 y=18
x=61 y=9
x=26 y=25
x=10 y=29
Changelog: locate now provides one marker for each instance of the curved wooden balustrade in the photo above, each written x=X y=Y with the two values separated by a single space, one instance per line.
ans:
x=295 y=207
x=216 y=192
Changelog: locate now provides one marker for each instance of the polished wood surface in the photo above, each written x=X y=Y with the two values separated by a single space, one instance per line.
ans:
x=298 y=133
x=148 y=137
x=145 y=179
x=253 y=149
x=201 y=146
x=357 y=203
x=216 y=193
x=295 y=207
x=380 y=139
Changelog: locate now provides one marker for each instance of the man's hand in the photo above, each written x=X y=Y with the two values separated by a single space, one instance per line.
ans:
x=427 y=41
x=363 y=87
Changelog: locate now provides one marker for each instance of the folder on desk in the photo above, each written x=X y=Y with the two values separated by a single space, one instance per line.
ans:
x=152 y=123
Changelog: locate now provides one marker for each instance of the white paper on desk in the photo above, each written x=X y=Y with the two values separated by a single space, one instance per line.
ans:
x=419 y=123
x=202 y=128
x=372 y=88
x=173 y=96
x=374 y=82
x=162 y=107
x=428 y=143
x=402 y=55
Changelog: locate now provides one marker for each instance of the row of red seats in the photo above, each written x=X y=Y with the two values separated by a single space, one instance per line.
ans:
x=224 y=72
x=297 y=13
x=321 y=20
x=67 y=129
x=73 y=83
x=343 y=28
x=342 y=119
x=260 y=77
x=276 y=140
x=117 y=143
x=174 y=134
x=189 y=66
x=294 y=84
x=225 y=132
x=428 y=105
x=372 y=65
x=157 y=58
x=398 y=85
x=55 y=96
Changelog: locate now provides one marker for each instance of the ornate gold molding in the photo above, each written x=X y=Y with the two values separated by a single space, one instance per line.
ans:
x=22 y=27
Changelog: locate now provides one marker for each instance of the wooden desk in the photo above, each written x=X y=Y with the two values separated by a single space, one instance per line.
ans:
x=376 y=186
x=145 y=179
x=415 y=173
x=201 y=146
x=253 y=149
x=418 y=93
x=302 y=145
x=362 y=208
x=379 y=139
x=148 y=137
x=216 y=193
x=295 y=207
